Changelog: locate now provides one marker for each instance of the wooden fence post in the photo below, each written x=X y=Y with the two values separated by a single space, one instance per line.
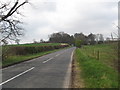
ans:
x=98 y=55
x=93 y=52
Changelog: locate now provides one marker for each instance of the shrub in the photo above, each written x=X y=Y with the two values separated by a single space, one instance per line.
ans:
x=78 y=43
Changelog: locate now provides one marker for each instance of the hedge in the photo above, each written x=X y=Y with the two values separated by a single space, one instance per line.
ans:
x=23 y=50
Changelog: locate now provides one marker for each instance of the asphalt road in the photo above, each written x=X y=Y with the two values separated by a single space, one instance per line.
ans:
x=49 y=71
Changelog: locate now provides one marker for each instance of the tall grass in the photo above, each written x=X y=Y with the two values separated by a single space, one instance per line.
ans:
x=108 y=53
x=95 y=73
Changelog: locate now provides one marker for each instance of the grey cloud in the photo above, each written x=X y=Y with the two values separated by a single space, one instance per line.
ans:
x=46 y=6
x=90 y=20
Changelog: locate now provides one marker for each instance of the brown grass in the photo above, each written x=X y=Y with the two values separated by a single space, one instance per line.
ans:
x=77 y=81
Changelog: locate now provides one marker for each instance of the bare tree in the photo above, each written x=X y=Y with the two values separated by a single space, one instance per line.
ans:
x=10 y=25
x=17 y=41
x=112 y=37
x=91 y=38
x=41 y=40
x=118 y=33
x=101 y=38
x=97 y=38
x=107 y=39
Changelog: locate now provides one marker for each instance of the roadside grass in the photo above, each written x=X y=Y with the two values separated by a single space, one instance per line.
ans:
x=95 y=73
x=76 y=80
x=20 y=58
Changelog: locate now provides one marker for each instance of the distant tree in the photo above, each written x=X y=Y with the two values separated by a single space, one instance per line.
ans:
x=55 y=38
x=78 y=43
x=34 y=41
x=91 y=39
x=112 y=37
x=82 y=37
x=97 y=38
x=101 y=38
x=107 y=39
x=61 y=37
x=17 y=41
x=119 y=33
x=72 y=40
x=41 y=40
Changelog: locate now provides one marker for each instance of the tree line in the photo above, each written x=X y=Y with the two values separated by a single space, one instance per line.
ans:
x=62 y=37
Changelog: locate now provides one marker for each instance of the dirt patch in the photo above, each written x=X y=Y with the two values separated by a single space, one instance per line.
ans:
x=76 y=80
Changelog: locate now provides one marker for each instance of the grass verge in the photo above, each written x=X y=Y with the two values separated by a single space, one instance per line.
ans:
x=11 y=60
x=76 y=79
x=95 y=73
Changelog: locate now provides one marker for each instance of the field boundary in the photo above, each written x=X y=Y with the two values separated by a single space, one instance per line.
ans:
x=52 y=51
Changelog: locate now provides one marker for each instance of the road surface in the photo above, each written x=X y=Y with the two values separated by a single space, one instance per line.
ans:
x=49 y=71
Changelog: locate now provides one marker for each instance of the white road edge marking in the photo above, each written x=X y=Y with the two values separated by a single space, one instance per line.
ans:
x=16 y=76
x=47 y=60
x=67 y=80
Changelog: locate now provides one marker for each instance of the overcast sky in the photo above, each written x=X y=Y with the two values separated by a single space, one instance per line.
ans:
x=44 y=17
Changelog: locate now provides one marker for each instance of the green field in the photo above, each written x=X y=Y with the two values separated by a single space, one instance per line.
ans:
x=37 y=44
x=108 y=53
x=102 y=72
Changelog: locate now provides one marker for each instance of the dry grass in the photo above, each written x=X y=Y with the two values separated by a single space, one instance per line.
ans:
x=77 y=81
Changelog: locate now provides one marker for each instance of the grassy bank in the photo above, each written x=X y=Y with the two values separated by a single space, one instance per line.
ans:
x=96 y=73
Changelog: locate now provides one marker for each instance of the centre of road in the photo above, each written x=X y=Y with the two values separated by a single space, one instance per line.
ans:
x=50 y=58
x=47 y=60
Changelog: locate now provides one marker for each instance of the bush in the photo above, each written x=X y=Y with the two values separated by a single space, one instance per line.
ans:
x=78 y=43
